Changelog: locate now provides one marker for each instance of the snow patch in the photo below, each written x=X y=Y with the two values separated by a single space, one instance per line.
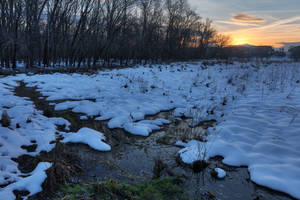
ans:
x=220 y=173
x=145 y=127
x=88 y=136
x=32 y=183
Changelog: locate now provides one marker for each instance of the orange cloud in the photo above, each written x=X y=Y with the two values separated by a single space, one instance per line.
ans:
x=242 y=17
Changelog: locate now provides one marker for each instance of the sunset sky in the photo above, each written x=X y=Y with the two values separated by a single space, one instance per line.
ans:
x=257 y=22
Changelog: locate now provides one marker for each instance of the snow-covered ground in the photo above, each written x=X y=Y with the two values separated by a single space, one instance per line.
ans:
x=28 y=127
x=126 y=96
x=262 y=133
x=256 y=106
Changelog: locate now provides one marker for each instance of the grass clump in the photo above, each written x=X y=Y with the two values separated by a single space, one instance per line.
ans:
x=76 y=191
x=160 y=189
x=164 y=140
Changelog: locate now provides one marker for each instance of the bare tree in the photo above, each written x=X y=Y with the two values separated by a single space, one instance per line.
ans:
x=82 y=32
x=204 y=33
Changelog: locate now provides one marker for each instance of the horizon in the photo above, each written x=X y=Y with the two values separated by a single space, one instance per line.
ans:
x=257 y=22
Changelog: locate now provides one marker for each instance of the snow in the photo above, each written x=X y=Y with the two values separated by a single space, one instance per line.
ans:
x=39 y=130
x=61 y=122
x=256 y=106
x=32 y=183
x=84 y=117
x=261 y=132
x=220 y=173
x=193 y=151
x=181 y=144
x=145 y=127
x=88 y=136
x=126 y=96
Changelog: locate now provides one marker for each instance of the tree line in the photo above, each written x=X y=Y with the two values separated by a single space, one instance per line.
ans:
x=295 y=53
x=82 y=32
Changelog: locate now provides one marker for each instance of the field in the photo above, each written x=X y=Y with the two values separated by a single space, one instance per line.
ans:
x=178 y=119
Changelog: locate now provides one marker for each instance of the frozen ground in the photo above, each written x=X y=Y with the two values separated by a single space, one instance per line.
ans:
x=256 y=106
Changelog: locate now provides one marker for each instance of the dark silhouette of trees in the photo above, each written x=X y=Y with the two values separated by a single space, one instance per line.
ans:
x=247 y=51
x=94 y=32
x=295 y=52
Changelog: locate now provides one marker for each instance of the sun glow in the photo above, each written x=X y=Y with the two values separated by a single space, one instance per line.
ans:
x=240 y=40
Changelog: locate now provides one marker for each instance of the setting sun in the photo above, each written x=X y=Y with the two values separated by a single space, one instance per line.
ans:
x=240 y=40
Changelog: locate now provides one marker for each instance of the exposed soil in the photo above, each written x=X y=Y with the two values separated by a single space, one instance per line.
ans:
x=134 y=159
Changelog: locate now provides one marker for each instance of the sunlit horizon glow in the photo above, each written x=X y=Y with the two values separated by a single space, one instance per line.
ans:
x=240 y=40
x=256 y=22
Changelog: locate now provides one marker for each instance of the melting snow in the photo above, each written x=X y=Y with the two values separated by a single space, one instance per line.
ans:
x=220 y=173
x=32 y=183
x=88 y=136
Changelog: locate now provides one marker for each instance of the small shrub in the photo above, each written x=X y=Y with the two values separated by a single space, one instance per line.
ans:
x=28 y=120
x=224 y=103
x=230 y=81
x=159 y=166
x=143 y=85
x=199 y=165
x=5 y=119
x=153 y=86
x=48 y=113
x=214 y=174
x=164 y=140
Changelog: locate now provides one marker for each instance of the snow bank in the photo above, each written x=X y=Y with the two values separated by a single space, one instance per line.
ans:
x=88 y=136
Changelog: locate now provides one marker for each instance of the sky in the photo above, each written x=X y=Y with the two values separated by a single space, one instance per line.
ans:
x=256 y=22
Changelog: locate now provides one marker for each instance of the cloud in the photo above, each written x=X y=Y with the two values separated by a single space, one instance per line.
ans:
x=236 y=23
x=289 y=44
x=243 y=17
x=278 y=23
